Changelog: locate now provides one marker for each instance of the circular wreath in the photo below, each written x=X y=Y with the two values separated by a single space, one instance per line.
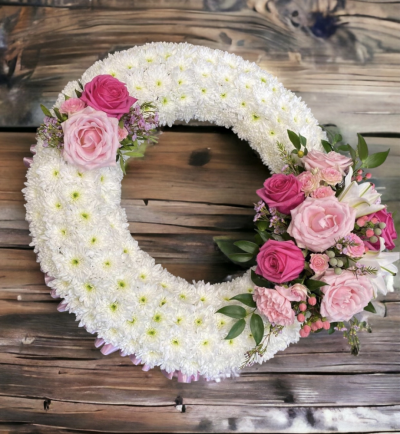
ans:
x=80 y=232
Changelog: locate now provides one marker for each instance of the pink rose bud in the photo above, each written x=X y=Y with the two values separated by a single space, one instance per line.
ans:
x=361 y=222
x=303 y=333
x=368 y=176
x=358 y=178
x=122 y=133
x=359 y=172
x=301 y=317
x=72 y=106
x=326 y=325
x=374 y=220
x=303 y=307
x=369 y=233
x=306 y=328
x=319 y=324
x=314 y=327
x=312 y=301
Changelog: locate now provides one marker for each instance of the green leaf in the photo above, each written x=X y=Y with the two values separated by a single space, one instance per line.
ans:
x=247 y=246
x=337 y=138
x=236 y=330
x=326 y=145
x=343 y=148
x=122 y=164
x=46 y=111
x=134 y=154
x=262 y=225
x=246 y=299
x=370 y=308
x=295 y=151
x=352 y=153
x=314 y=284
x=257 y=328
x=241 y=257
x=227 y=247
x=332 y=328
x=265 y=236
x=58 y=114
x=78 y=93
x=303 y=140
x=294 y=138
x=260 y=281
x=376 y=159
x=362 y=148
x=66 y=97
x=121 y=123
x=305 y=151
x=233 y=311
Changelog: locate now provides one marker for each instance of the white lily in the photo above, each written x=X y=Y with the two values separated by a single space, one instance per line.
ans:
x=382 y=281
x=362 y=197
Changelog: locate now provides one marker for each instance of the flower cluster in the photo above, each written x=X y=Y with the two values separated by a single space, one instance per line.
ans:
x=327 y=261
x=100 y=125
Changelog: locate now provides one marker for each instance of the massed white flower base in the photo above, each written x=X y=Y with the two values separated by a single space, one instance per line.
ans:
x=80 y=232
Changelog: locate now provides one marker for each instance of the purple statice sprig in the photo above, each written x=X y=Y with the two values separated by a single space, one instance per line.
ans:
x=51 y=133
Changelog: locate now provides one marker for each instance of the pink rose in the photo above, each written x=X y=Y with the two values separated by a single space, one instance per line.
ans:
x=318 y=223
x=388 y=233
x=296 y=292
x=72 y=106
x=122 y=133
x=331 y=176
x=282 y=192
x=321 y=160
x=345 y=296
x=321 y=192
x=280 y=261
x=358 y=249
x=319 y=263
x=274 y=306
x=90 y=139
x=109 y=95
x=308 y=181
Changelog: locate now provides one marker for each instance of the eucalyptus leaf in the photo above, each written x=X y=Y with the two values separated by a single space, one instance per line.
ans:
x=247 y=246
x=241 y=257
x=236 y=329
x=246 y=299
x=233 y=311
x=370 y=308
x=376 y=159
x=362 y=148
x=257 y=328
x=326 y=145
x=294 y=138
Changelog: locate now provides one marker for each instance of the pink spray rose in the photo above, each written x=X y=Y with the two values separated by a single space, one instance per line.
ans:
x=319 y=263
x=274 y=306
x=308 y=181
x=388 y=233
x=72 y=106
x=90 y=139
x=122 y=133
x=282 y=192
x=345 y=296
x=297 y=292
x=331 y=176
x=321 y=160
x=321 y=192
x=280 y=261
x=317 y=223
x=358 y=249
x=108 y=94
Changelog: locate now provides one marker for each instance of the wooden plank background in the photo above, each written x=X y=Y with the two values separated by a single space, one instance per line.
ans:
x=343 y=58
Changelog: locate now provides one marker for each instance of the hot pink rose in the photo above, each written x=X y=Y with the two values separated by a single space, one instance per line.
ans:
x=274 y=306
x=358 y=249
x=90 y=139
x=308 y=181
x=317 y=223
x=388 y=233
x=108 y=94
x=282 y=192
x=72 y=106
x=331 y=176
x=297 y=292
x=319 y=263
x=345 y=296
x=321 y=160
x=321 y=192
x=280 y=261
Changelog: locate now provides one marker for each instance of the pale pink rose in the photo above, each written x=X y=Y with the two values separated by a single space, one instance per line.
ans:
x=297 y=292
x=72 y=106
x=90 y=139
x=319 y=263
x=317 y=223
x=331 y=176
x=122 y=133
x=345 y=296
x=274 y=306
x=308 y=181
x=355 y=251
x=321 y=192
x=321 y=160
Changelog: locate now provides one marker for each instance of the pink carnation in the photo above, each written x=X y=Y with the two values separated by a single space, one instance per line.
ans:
x=274 y=306
x=308 y=181
x=72 y=106
x=321 y=192
x=321 y=160
x=319 y=263
x=358 y=250
x=331 y=176
x=345 y=296
x=296 y=292
x=317 y=223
